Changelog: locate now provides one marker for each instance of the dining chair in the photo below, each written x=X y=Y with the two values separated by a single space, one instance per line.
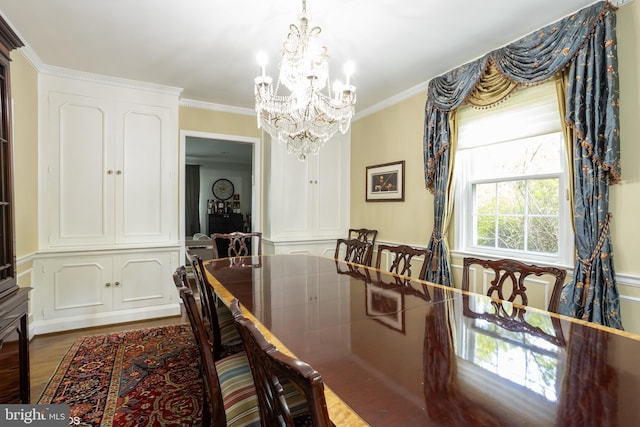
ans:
x=365 y=235
x=402 y=257
x=229 y=395
x=515 y=273
x=222 y=331
x=355 y=251
x=239 y=243
x=290 y=392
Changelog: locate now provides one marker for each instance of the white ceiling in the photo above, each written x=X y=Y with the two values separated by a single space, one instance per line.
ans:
x=209 y=47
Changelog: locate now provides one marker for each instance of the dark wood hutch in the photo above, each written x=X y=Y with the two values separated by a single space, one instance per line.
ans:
x=14 y=328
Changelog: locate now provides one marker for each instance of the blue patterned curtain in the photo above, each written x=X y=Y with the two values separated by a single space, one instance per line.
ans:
x=586 y=43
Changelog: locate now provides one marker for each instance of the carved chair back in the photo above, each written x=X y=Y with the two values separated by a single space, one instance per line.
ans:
x=213 y=409
x=365 y=235
x=403 y=256
x=509 y=279
x=355 y=251
x=240 y=243
x=274 y=373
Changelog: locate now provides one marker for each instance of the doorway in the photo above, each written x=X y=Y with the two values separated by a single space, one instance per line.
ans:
x=220 y=156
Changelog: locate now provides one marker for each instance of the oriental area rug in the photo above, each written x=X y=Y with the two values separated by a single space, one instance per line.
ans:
x=144 y=377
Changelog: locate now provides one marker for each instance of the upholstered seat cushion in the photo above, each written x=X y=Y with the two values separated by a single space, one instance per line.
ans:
x=239 y=394
x=229 y=335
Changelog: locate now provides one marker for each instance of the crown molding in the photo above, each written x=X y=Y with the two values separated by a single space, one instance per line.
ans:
x=395 y=99
x=109 y=80
x=192 y=103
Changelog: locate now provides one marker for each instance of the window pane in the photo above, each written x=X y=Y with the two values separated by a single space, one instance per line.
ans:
x=485 y=198
x=511 y=232
x=511 y=197
x=543 y=196
x=486 y=231
x=542 y=234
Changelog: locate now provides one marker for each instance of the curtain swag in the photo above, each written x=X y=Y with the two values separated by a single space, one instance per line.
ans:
x=582 y=48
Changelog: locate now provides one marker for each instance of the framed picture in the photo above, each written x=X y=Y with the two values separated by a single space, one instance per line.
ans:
x=386 y=306
x=385 y=183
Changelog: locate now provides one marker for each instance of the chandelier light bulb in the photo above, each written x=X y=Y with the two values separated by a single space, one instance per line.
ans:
x=262 y=62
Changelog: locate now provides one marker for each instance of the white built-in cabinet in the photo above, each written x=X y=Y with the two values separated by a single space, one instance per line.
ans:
x=90 y=289
x=307 y=201
x=110 y=172
x=108 y=203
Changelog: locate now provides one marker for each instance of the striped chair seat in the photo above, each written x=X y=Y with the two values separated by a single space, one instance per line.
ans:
x=239 y=393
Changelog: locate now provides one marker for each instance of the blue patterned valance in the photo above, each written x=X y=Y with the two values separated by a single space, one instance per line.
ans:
x=531 y=60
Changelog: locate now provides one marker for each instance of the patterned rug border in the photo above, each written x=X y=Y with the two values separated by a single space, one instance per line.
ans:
x=110 y=407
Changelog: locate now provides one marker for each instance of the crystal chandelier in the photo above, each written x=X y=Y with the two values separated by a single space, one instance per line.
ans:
x=306 y=117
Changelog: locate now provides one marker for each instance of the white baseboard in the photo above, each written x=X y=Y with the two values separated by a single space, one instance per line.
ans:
x=40 y=327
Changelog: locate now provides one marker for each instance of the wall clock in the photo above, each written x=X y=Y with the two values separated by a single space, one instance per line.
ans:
x=222 y=189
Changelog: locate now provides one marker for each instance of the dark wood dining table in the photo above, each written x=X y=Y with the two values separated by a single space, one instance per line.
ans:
x=399 y=352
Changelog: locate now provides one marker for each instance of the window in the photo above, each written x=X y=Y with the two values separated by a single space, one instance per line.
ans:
x=512 y=180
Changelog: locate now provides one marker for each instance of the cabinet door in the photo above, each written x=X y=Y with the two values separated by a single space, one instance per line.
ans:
x=79 y=171
x=75 y=286
x=330 y=197
x=146 y=190
x=292 y=188
x=309 y=198
x=141 y=280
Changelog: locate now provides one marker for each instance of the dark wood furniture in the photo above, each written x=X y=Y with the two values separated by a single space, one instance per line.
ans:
x=235 y=244
x=224 y=381
x=14 y=348
x=426 y=363
x=366 y=235
x=225 y=223
x=14 y=333
x=354 y=250
x=222 y=330
x=509 y=279
x=402 y=258
x=274 y=373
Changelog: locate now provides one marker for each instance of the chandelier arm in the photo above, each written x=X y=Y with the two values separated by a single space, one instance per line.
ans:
x=306 y=117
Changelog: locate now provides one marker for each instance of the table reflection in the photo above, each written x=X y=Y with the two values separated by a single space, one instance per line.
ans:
x=405 y=352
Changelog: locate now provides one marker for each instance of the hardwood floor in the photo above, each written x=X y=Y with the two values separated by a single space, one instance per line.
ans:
x=46 y=351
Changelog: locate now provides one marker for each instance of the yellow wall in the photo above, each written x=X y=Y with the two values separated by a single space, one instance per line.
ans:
x=200 y=120
x=24 y=85
x=392 y=134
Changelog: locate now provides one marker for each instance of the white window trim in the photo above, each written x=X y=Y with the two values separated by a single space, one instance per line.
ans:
x=463 y=223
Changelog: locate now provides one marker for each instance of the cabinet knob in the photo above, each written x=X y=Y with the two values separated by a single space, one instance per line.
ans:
x=109 y=172
x=118 y=172
x=107 y=284
x=116 y=283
